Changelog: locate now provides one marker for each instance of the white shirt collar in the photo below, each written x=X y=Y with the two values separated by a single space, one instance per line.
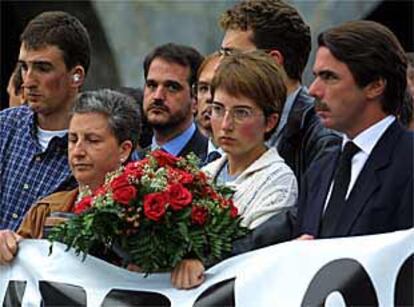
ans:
x=367 y=139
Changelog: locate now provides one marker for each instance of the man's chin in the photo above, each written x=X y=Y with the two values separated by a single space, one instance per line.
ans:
x=35 y=106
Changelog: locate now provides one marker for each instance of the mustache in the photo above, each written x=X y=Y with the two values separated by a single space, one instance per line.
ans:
x=158 y=105
x=321 y=106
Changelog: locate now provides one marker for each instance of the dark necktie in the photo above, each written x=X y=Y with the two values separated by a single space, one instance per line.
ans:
x=337 y=200
x=214 y=155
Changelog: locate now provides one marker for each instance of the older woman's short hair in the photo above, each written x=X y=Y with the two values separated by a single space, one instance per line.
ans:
x=124 y=116
x=254 y=75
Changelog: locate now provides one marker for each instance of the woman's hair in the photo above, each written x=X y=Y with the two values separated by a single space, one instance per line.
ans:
x=254 y=75
x=124 y=117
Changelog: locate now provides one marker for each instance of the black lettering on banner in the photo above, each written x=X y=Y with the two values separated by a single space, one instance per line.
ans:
x=404 y=287
x=220 y=294
x=127 y=298
x=346 y=276
x=14 y=293
x=61 y=294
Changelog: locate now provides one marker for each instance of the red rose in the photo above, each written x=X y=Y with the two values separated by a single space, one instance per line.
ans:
x=154 y=205
x=119 y=182
x=234 y=212
x=125 y=194
x=199 y=215
x=185 y=177
x=100 y=191
x=226 y=202
x=164 y=158
x=178 y=175
x=179 y=196
x=134 y=169
x=202 y=177
x=210 y=193
x=83 y=205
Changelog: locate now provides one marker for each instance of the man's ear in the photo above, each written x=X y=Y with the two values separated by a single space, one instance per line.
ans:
x=277 y=56
x=375 y=89
x=78 y=76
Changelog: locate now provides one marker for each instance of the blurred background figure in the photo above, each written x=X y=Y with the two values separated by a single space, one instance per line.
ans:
x=205 y=75
x=15 y=89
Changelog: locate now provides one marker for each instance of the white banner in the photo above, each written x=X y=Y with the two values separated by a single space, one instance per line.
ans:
x=368 y=270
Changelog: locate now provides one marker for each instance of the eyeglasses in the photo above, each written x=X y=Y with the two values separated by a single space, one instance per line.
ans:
x=226 y=51
x=238 y=114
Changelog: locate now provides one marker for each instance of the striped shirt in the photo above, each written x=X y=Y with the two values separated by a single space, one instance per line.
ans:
x=27 y=172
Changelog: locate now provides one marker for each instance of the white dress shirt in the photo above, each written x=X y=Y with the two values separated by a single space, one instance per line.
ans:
x=366 y=141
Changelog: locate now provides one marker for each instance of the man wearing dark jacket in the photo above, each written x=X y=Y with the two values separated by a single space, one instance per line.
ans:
x=278 y=29
x=170 y=71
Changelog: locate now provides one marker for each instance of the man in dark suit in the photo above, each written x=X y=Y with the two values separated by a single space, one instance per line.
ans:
x=277 y=28
x=360 y=71
x=170 y=71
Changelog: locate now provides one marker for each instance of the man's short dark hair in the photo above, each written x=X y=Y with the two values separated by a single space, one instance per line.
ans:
x=179 y=54
x=371 y=52
x=62 y=30
x=275 y=25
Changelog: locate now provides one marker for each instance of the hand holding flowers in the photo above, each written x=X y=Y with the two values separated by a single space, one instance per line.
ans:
x=157 y=211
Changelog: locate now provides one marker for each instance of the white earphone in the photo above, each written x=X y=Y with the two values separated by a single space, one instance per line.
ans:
x=76 y=77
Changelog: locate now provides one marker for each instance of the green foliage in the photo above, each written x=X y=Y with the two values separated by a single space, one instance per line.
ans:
x=156 y=233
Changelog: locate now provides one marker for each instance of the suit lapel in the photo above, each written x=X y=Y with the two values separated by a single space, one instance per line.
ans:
x=369 y=180
x=319 y=188
x=197 y=144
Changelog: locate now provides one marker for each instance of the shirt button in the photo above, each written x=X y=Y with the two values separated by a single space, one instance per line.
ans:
x=25 y=186
x=38 y=159
x=15 y=215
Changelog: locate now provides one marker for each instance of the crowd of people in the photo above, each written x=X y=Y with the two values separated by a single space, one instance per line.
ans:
x=331 y=160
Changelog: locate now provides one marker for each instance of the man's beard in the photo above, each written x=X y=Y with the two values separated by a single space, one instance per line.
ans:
x=173 y=121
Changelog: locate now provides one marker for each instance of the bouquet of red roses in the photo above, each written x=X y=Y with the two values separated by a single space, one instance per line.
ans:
x=155 y=212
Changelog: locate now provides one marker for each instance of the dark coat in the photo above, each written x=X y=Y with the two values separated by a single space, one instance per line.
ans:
x=381 y=199
x=304 y=139
x=197 y=144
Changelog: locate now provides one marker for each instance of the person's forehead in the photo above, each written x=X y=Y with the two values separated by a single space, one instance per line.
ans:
x=238 y=39
x=88 y=121
x=325 y=59
x=162 y=69
x=223 y=97
x=43 y=53
x=208 y=71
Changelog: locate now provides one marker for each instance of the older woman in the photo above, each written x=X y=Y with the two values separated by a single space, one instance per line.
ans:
x=103 y=131
x=248 y=96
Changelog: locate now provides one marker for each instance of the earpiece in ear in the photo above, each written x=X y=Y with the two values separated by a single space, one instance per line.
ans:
x=76 y=78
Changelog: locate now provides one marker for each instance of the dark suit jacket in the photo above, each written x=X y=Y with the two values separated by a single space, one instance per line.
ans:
x=197 y=144
x=381 y=199
x=304 y=139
